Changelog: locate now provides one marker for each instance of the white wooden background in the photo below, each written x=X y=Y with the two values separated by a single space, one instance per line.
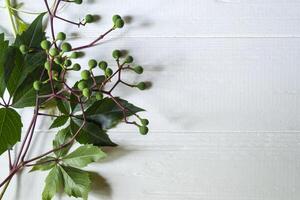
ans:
x=224 y=106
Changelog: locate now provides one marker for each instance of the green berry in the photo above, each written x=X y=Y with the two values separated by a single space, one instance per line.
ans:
x=81 y=85
x=45 y=44
x=92 y=63
x=116 y=17
x=23 y=49
x=61 y=36
x=99 y=96
x=119 y=23
x=116 y=54
x=138 y=69
x=85 y=74
x=78 y=1
x=141 y=85
x=47 y=65
x=89 y=18
x=37 y=85
x=143 y=130
x=58 y=60
x=86 y=92
x=108 y=72
x=66 y=47
x=68 y=63
x=103 y=65
x=76 y=67
x=129 y=59
x=54 y=52
x=145 y=122
x=74 y=55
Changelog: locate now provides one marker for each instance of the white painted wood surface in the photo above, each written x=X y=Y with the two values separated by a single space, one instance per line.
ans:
x=224 y=106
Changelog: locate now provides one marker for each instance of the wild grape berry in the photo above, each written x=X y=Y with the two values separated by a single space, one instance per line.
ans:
x=85 y=74
x=53 y=52
x=145 y=122
x=116 y=54
x=81 y=85
x=58 y=60
x=138 y=69
x=89 y=18
x=108 y=72
x=143 y=130
x=68 y=63
x=102 y=65
x=37 y=85
x=116 y=17
x=66 y=47
x=78 y=1
x=99 y=96
x=47 y=65
x=23 y=49
x=76 y=67
x=61 y=36
x=74 y=55
x=141 y=86
x=45 y=44
x=86 y=92
x=119 y=23
x=92 y=63
x=129 y=59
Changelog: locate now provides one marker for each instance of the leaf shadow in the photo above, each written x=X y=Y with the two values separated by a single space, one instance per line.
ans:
x=100 y=186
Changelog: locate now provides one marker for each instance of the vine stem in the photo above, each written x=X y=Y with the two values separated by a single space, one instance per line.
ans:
x=10 y=14
x=4 y=189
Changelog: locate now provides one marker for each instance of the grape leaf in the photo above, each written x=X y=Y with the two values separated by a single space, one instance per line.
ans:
x=44 y=164
x=62 y=137
x=83 y=156
x=59 y=121
x=10 y=128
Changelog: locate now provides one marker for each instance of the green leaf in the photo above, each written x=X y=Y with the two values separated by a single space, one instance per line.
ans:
x=77 y=183
x=33 y=36
x=63 y=106
x=10 y=128
x=91 y=133
x=59 y=121
x=44 y=164
x=107 y=114
x=83 y=156
x=62 y=137
x=53 y=183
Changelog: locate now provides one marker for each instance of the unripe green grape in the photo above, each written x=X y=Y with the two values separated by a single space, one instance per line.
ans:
x=47 y=65
x=68 y=63
x=66 y=47
x=78 y=1
x=108 y=72
x=115 y=18
x=141 y=85
x=86 y=92
x=53 y=52
x=129 y=59
x=61 y=36
x=92 y=63
x=145 y=122
x=116 y=54
x=138 y=69
x=143 y=130
x=37 y=85
x=102 y=65
x=23 y=48
x=99 y=96
x=119 y=23
x=58 y=60
x=74 y=55
x=81 y=85
x=85 y=74
x=89 y=18
x=45 y=44
x=76 y=67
